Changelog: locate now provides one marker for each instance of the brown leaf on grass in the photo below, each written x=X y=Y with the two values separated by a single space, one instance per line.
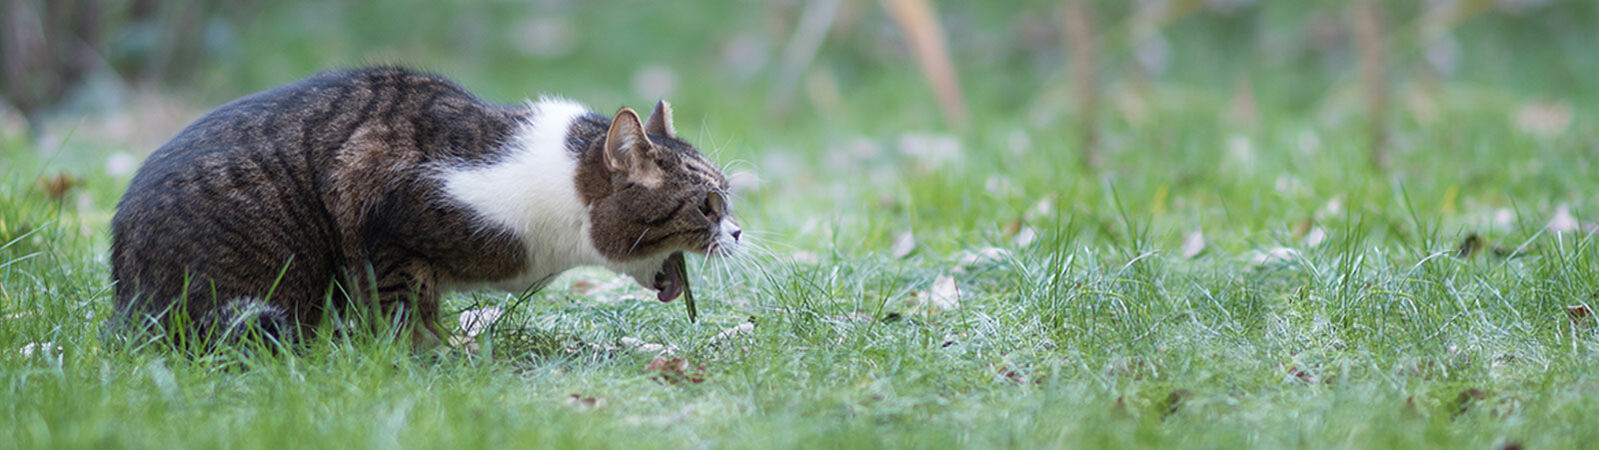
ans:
x=58 y=186
x=1013 y=227
x=1016 y=375
x=1579 y=315
x=1301 y=375
x=1136 y=369
x=581 y=403
x=674 y=370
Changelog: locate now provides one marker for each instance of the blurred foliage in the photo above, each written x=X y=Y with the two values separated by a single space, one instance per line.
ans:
x=1012 y=56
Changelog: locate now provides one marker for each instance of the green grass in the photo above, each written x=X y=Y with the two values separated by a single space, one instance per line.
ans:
x=1098 y=333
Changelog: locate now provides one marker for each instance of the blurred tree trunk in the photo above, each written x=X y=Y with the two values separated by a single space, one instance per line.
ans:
x=1083 y=56
x=46 y=49
x=1371 y=41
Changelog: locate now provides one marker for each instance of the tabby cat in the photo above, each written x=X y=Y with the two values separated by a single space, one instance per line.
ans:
x=384 y=188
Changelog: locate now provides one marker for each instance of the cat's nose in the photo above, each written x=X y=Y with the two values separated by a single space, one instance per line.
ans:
x=737 y=232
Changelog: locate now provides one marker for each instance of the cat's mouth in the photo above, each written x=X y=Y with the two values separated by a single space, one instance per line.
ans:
x=672 y=278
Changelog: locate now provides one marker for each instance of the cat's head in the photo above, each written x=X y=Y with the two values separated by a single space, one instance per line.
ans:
x=651 y=195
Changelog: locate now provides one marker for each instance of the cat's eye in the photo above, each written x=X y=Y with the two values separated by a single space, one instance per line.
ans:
x=712 y=205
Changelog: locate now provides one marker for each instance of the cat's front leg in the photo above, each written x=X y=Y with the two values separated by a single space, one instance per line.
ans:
x=409 y=295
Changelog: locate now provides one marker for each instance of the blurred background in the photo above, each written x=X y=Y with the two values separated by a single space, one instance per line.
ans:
x=1188 y=94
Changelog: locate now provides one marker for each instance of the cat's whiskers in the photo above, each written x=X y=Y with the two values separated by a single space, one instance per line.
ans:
x=637 y=241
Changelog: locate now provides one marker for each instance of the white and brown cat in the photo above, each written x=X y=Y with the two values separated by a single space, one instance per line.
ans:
x=383 y=188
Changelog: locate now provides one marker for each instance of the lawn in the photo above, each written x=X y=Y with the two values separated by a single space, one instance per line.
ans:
x=1235 y=272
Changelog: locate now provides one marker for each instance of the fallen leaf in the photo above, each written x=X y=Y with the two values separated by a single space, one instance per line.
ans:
x=903 y=245
x=1274 y=255
x=58 y=186
x=1026 y=237
x=582 y=403
x=44 y=348
x=944 y=295
x=1193 y=245
x=737 y=330
x=674 y=370
x=985 y=256
x=1301 y=375
x=1014 y=375
x=640 y=345
x=1315 y=237
x=475 y=322
x=1579 y=316
x=584 y=286
x=1045 y=208
x=1563 y=221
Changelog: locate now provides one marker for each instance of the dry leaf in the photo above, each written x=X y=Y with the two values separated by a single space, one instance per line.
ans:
x=1026 y=237
x=984 y=256
x=46 y=348
x=475 y=322
x=1563 y=221
x=674 y=370
x=1273 y=256
x=1194 y=244
x=1579 y=316
x=738 y=330
x=1301 y=375
x=582 y=403
x=1315 y=237
x=1014 y=375
x=944 y=295
x=903 y=245
x=640 y=345
x=58 y=186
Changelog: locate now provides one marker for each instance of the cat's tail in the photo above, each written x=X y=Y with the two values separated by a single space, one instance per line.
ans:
x=247 y=320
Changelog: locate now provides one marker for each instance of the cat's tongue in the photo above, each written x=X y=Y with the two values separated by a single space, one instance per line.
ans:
x=672 y=279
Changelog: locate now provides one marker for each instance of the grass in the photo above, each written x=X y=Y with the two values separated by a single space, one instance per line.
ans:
x=1101 y=331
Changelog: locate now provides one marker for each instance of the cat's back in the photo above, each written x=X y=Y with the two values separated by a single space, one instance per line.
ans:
x=305 y=123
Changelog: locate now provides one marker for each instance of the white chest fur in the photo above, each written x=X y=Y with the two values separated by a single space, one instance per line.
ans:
x=533 y=193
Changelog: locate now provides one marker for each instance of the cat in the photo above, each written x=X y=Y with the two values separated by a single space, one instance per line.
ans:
x=385 y=188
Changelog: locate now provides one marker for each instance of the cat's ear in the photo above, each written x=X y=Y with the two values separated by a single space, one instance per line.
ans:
x=627 y=149
x=660 y=121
